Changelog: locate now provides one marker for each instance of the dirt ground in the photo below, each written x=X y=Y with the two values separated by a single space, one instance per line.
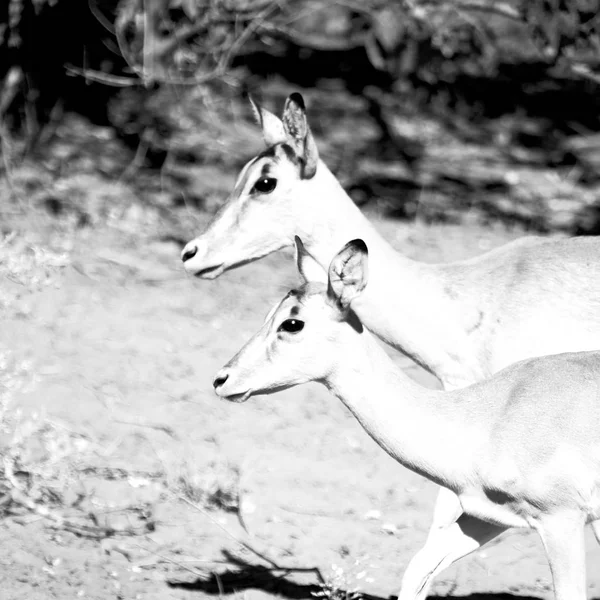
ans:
x=153 y=487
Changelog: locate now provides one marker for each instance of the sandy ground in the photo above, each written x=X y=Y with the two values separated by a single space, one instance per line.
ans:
x=115 y=349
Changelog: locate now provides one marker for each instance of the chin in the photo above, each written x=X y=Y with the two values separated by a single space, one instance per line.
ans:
x=238 y=398
x=209 y=272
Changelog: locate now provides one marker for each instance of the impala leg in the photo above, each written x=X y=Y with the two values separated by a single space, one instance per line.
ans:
x=563 y=540
x=447 y=509
x=447 y=542
x=419 y=572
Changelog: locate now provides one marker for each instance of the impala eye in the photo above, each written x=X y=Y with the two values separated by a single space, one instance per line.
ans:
x=265 y=185
x=291 y=326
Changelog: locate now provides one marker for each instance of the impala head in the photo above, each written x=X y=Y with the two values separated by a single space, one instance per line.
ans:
x=260 y=215
x=302 y=336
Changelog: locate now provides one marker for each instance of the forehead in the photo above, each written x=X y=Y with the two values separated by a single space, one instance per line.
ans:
x=262 y=164
x=297 y=300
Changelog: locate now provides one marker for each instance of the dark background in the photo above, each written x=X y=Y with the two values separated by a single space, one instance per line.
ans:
x=492 y=108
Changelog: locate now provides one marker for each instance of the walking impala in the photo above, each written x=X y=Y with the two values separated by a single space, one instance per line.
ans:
x=520 y=449
x=462 y=321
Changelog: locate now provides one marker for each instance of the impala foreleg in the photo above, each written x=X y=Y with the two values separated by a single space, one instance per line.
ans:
x=452 y=536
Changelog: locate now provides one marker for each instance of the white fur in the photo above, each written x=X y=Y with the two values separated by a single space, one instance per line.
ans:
x=520 y=449
x=462 y=321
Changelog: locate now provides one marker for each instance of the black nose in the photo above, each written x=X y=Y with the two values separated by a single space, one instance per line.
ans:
x=219 y=381
x=189 y=253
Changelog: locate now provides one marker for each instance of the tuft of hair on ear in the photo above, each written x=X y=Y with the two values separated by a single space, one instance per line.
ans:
x=299 y=134
x=357 y=244
x=294 y=118
x=298 y=99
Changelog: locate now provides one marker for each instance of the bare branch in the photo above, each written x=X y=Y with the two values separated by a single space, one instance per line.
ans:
x=100 y=77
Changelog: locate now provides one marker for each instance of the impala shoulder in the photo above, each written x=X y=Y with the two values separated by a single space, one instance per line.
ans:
x=560 y=253
x=535 y=265
x=567 y=375
x=500 y=265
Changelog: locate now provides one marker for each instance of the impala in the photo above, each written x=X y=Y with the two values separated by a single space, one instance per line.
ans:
x=462 y=321
x=520 y=449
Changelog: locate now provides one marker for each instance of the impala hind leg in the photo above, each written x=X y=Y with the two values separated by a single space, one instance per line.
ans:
x=452 y=536
x=563 y=540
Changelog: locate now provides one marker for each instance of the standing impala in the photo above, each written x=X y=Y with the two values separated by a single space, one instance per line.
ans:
x=462 y=321
x=520 y=449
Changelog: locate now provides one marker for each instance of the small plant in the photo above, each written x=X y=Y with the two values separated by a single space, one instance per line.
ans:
x=343 y=584
x=38 y=457
x=41 y=462
x=216 y=487
x=28 y=264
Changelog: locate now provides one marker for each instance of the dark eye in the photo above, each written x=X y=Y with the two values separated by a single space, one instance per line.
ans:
x=291 y=326
x=265 y=185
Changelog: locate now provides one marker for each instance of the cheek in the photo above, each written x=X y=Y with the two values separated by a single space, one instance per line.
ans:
x=283 y=358
x=268 y=225
x=253 y=212
x=229 y=218
x=272 y=349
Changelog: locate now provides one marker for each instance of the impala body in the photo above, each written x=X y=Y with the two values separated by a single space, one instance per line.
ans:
x=463 y=321
x=520 y=449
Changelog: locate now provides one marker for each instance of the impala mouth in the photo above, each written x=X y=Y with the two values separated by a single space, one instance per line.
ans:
x=238 y=398
x=210 y=272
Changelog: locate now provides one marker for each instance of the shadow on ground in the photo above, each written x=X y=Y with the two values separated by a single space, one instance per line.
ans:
x=275 y=581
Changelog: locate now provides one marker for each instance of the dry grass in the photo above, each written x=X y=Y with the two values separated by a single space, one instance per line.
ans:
x=344 y=583
x=27 y=264
x=42 y=465
x=215 y=487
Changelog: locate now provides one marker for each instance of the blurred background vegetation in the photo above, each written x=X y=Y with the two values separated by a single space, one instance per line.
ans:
x=441 y=109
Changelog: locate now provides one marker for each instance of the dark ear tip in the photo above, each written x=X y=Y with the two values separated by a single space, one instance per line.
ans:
x=358 y=244
x=298 y=241
x=297 y=98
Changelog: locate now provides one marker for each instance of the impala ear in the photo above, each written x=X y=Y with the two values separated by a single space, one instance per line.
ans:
x=348 y=273
x=272 y=126
x=299 y=134
x=310 y=270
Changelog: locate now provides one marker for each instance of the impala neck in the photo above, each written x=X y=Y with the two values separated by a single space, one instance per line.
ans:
x=406 y=303
x=426 y=430
x=338 y=219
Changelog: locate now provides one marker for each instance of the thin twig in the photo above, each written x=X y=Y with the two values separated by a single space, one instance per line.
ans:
x=313 y=513
x=226 y=531
x=144 y=564
x=93 y=6
x=10 y=87
x=123 y=17
x=172 y=561
x=255 y=24
x=100 y=77
x=138 y=158
x=219 y=585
